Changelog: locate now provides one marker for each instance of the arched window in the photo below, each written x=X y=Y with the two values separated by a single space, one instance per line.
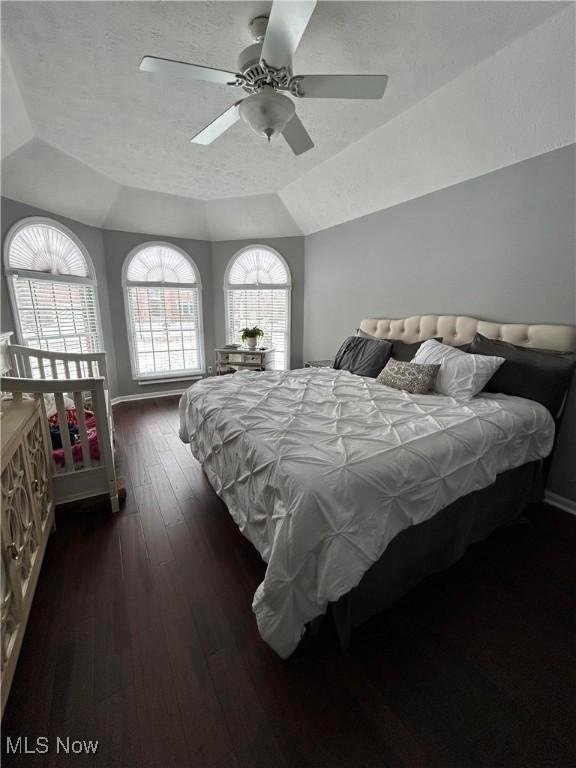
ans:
x=257 y=290
x=52 y=287
x=162 y=291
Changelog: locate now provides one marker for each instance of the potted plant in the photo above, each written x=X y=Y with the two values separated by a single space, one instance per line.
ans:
x=250 y=336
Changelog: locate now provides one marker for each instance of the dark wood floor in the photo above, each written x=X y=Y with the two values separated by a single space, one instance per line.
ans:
x=142 y=636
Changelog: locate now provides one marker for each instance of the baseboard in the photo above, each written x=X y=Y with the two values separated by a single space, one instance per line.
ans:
x=147 y=396
x=561 y=502
x=154 y=382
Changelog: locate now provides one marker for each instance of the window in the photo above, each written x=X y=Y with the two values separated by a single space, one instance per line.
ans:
x=257 y=291
x=164 y=312
x=52 y=287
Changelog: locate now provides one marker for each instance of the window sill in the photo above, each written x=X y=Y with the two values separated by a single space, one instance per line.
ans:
x=170 y=379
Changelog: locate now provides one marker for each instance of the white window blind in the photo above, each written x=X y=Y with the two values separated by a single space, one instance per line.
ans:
x=57 y=316
x=257 y=266
x=44 y=247
x=160 y=264
x=165 y=330
x=257 y=291
x=268 y=308
x=52 y=288
x=164 y=311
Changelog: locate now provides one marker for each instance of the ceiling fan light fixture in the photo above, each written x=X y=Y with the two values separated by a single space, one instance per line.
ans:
x=265 y=73
x=267 y=112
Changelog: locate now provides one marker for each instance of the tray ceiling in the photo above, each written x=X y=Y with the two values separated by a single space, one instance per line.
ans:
x=75 y=68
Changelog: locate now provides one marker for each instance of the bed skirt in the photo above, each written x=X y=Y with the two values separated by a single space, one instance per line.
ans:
x=435 y=545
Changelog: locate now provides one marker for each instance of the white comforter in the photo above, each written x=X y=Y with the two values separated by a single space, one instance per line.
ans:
x=321 y=469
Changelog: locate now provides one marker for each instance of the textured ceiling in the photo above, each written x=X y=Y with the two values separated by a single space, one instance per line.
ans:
x=77 y=66
x=517 y=104
x=76 y=106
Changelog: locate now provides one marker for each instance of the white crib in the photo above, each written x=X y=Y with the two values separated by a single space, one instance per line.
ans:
x=83 y=378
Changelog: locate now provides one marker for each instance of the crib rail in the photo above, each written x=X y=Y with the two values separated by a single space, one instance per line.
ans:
x=92 y=476
x=31 y=363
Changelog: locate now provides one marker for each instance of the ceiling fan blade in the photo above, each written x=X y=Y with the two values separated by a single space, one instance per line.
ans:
x=286 y=25
x=343 y=86
x=183 y=69
x=217 y=127
x=297 y=136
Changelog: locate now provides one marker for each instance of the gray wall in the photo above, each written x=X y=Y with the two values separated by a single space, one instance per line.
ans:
x=117 y=246
x=109 y=249
x=91 y=237
x=500 y=247
x=292 y=249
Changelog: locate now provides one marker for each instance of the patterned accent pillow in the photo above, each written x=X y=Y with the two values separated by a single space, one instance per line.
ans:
x=411 y=377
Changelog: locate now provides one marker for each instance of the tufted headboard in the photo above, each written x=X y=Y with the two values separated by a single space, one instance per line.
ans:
x=459 y=329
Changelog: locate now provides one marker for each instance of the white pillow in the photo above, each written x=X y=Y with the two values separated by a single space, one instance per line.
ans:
x=461 y=375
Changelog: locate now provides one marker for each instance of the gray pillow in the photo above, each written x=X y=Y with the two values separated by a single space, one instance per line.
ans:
x=537 y=374
x=410 y=377
x=400 y=349
x=364 y=357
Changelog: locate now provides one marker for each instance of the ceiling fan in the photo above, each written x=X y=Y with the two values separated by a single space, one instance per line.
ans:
x=265 y=72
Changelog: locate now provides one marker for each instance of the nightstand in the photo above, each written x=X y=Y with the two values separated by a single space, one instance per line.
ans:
x=318 y=363
x=228 y=359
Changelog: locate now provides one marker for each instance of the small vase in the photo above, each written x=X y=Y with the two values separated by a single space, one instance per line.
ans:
x=251 y=342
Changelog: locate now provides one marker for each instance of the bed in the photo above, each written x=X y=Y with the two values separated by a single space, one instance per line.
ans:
x=353 y=492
